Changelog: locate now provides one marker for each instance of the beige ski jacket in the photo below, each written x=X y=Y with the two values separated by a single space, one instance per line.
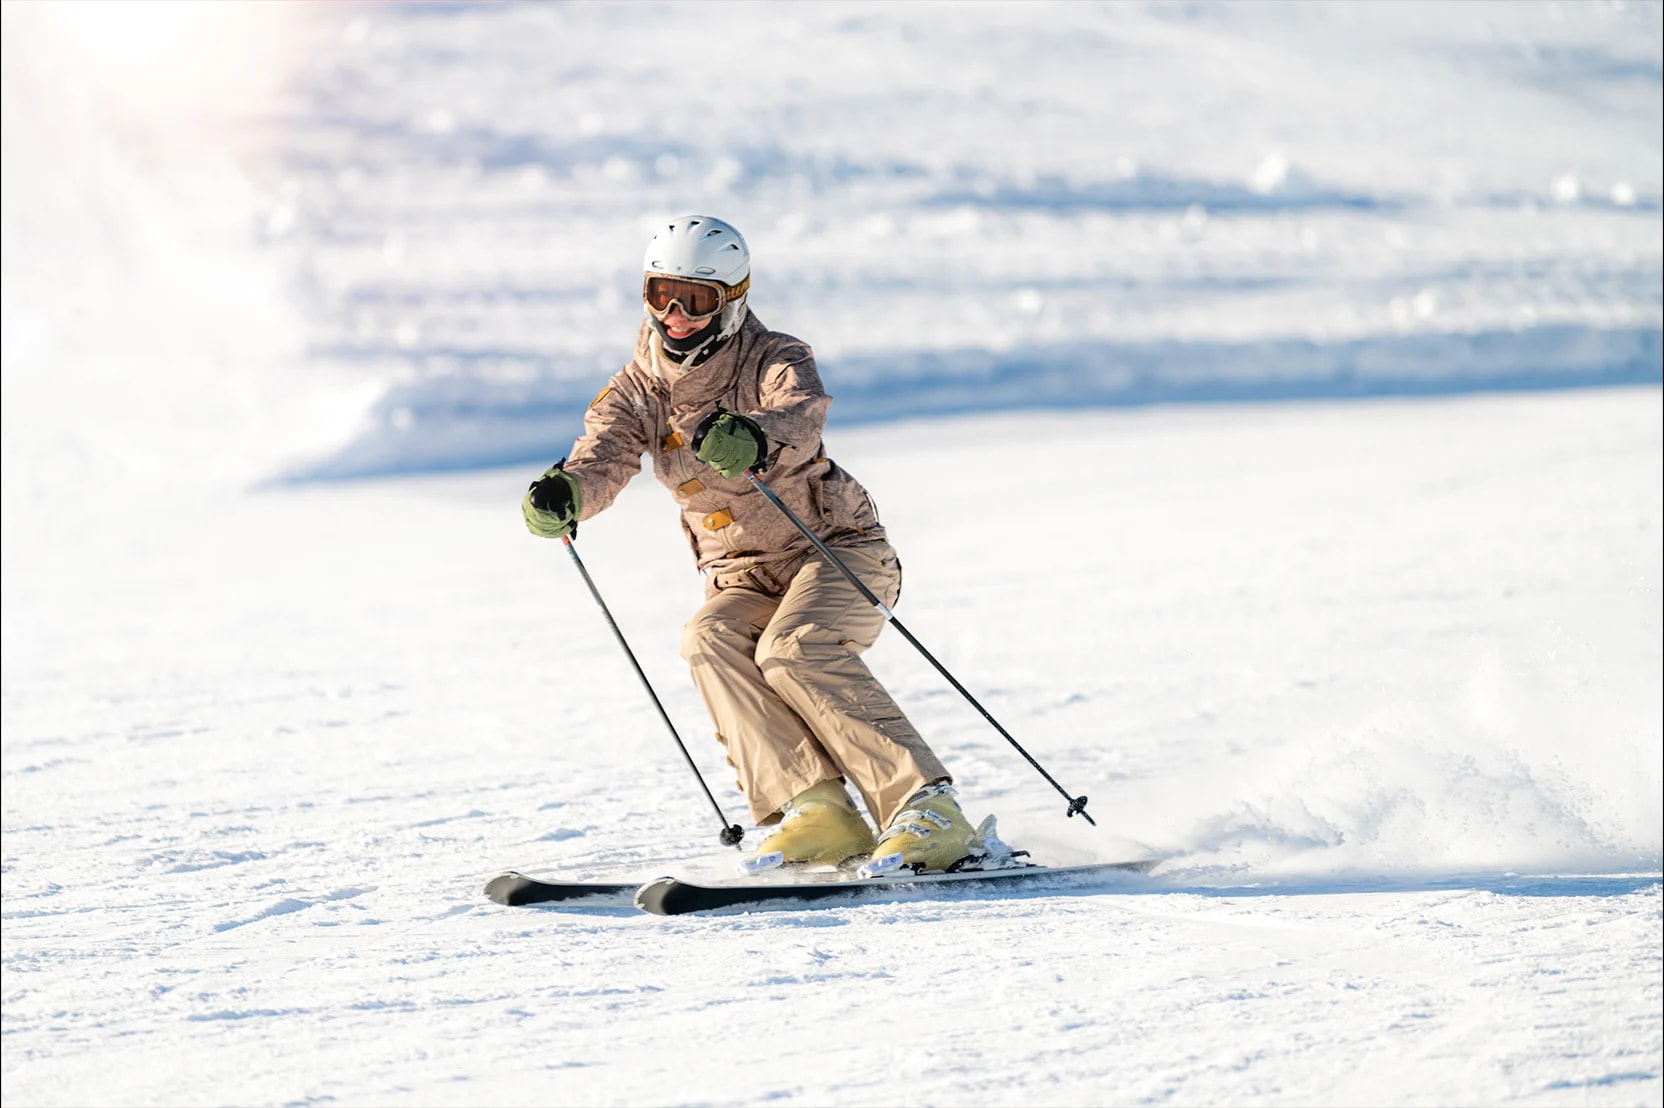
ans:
x=738 y=538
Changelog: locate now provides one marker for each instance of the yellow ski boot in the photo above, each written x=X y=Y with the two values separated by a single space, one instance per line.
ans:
x=820 y=827
x=930 y=835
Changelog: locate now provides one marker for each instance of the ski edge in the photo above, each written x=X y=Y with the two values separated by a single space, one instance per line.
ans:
x=670 y=896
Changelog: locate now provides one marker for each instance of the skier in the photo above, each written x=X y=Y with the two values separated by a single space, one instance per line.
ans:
x=775 y=650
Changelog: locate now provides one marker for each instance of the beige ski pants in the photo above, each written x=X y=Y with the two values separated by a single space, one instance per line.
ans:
x=792 y=701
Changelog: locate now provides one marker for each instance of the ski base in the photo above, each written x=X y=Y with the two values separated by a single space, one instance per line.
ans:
x=669 y=896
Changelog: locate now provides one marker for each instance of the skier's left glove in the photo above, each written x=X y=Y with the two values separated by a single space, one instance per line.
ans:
x=729 y=443
x=552 y=504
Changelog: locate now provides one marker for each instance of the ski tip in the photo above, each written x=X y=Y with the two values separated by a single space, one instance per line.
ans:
x=659 y=896
x=505 y=887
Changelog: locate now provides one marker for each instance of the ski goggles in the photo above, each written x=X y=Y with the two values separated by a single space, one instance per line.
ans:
x=697 y=298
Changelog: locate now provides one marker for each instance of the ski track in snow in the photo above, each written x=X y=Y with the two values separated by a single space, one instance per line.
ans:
x=1379 y=679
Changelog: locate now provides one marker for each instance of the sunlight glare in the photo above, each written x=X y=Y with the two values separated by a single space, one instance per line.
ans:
x=174 y=55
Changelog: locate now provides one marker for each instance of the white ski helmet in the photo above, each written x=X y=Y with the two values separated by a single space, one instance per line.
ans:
x=699 y=246
x=703 y=248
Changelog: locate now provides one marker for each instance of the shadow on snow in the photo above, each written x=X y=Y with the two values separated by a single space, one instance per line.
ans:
x=475 y=416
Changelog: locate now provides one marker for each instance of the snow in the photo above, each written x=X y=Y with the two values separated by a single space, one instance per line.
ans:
x=1264 y=399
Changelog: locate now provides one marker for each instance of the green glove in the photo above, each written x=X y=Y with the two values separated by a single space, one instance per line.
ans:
x=552 y=504
x=729 y=443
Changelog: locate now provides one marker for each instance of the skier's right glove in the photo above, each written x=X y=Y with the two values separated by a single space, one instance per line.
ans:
x=552 y=504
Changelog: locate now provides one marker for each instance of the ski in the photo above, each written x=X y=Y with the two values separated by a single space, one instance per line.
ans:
x=516 y=888
x=669 y=896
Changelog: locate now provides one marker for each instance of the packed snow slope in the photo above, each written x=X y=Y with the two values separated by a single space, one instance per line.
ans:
x=1265 y=400
x=1393 y=718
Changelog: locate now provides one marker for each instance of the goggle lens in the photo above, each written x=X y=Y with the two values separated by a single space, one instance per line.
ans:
x=698 y=298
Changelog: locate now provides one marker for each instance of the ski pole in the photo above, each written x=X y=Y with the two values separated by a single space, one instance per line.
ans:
x=732 y=833
x=1077 y=804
